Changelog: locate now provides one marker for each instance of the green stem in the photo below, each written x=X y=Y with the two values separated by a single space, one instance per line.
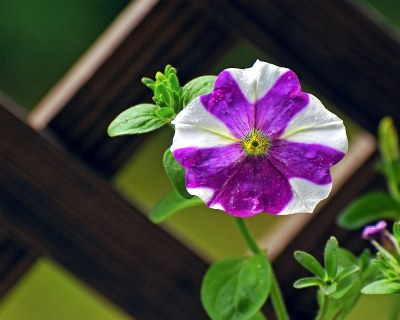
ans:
x=324 y=307
x=277 y=299
x=276 y=295
x=392 y=184
x=248 y=237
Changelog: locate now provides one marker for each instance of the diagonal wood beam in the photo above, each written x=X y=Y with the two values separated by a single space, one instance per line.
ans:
x=170 y=32
x=15 y=260
x=333 y=45
x=58 y=206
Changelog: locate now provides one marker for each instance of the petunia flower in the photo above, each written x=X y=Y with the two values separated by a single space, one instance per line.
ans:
x=381 y=238
x=256 y=143
x=375 y=231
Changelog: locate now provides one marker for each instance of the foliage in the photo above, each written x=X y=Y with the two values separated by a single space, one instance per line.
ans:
x=379 y=205
x=238 y=288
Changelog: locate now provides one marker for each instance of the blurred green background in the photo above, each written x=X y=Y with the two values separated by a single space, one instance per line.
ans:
x=39 y=41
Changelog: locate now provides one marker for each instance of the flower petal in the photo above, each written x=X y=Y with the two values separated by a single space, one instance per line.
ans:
x=257 y=186
x=307 y=168
x=306 y=195
x=208 y=169
x=280 y=104
x=195 y=126
x=256 y=81
x=315 y=124
x=225 y=179
x=237 y=91
x=228 y=103
x=306 y=161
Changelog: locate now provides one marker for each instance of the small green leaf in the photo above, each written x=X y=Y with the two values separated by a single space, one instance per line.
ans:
x=396 y=230
x=160 y=76
x=342 y=289
x=174 y=82
x=166 y=112
x=347 y=272
x=388 y=140
x=149 y=83
x=171 y=204
x=369 y=208
x=331 y=257
x=236 y=289
x=382 y=287
x=135 y=120
x=175 y=173
x=198 y=87
x=328 y=289
x=162 y=96
x=308 y=282
x=310 y=263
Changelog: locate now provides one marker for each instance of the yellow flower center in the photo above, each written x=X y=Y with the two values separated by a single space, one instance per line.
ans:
x=255 y=143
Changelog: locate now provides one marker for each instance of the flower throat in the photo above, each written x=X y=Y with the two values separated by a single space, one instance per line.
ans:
x=255 y=143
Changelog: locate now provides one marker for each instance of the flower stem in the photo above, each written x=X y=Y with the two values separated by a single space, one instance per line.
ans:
x=277 y=299
x=276 y=295
x=248 y=237
x=323 y=308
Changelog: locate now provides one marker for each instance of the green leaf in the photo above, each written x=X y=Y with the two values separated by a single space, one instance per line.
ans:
x=369 y=208
x=331 y=257
x=175 y=173
x=198 y=87
x=149 y=83
x=162 y=96
x=171 y=204
x=328 y=289
x=236 y=289
x=166 y=112
x=341 y=290
x=347 y=272
x=174 y=82
x=388 y=140
x=310 y=263
x=135 y=120
x=396 y=230
x=382 y=287
x=308 y=282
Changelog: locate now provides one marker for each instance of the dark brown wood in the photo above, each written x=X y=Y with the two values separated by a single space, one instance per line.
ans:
x=58 y=206
x=174 y=32
x=333 y=46
x=15 y=260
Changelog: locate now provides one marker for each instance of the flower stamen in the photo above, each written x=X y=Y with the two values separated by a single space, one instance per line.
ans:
x=255 y=143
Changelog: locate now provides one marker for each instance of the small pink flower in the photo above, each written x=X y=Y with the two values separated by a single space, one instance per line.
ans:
x=375 y=231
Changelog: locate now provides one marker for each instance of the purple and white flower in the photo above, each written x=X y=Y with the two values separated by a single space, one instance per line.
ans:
x=375 y=231
x=258 y=144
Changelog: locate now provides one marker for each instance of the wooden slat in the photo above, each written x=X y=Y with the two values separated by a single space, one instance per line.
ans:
x=333 y=46
x=15 y=260
x=173 y=32
x=62 y=209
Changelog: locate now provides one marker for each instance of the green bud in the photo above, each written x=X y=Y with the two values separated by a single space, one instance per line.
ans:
x=166 y=112
x=388 y=140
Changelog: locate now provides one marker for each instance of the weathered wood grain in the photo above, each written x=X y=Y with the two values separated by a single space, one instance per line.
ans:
x=64 y=210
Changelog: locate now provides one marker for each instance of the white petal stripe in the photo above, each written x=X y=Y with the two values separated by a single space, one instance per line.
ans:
x=306 y=195
x=256 y=81
x=196 y=127
x=315 y=124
